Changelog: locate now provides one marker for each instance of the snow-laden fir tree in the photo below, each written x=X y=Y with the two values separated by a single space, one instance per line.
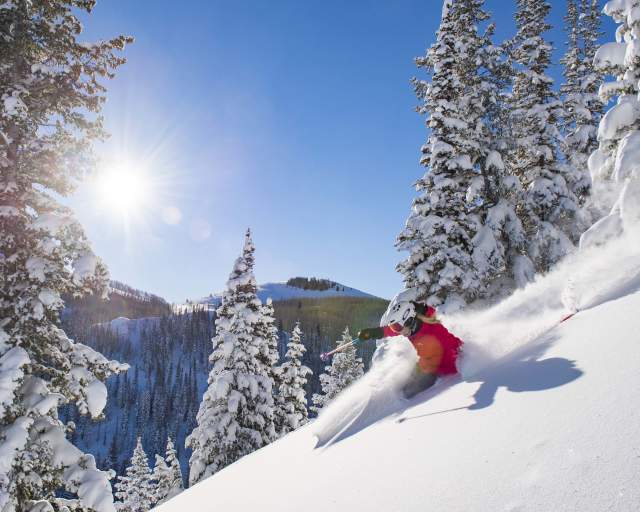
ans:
x=616 y=159
x=346 y=367
x=463 y=233
x=548 y=206
x=135 y=490
x=582 y=106
x=167 y=476
x=267 y=330
x=236 y=416
x=50 y=98
x=439 y=231
x=292 y=398
x=499 y=245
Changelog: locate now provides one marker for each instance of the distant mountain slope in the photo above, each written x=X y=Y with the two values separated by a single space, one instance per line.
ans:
x=168 y=352
x=298 y=288
x=123 y=300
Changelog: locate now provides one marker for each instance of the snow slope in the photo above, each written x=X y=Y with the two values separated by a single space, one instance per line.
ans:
x=130 y=328
x=546 y=415
x=282 y=291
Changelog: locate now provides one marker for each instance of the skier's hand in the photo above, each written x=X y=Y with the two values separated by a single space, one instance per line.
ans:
x=371 y=334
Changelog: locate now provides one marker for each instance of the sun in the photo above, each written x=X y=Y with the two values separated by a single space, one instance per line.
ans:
x=122 y=189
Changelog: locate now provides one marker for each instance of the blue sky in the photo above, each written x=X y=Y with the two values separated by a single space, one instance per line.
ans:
x=294 y=118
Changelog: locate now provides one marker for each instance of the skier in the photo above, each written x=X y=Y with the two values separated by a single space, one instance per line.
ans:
x=437 y=348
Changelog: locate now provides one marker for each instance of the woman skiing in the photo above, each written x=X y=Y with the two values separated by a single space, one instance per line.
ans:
x=437 y=348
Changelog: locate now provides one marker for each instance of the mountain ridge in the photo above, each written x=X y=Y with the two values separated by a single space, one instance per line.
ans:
x=283 y=290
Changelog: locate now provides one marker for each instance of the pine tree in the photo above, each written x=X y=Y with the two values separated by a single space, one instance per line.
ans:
x=267 y=331
x=438 y=233
x=547 y=207
x=292 y=400
x=236 y=414
x=345 y=369
x=159 y=479
x=167 y=476
x=499 y=255
x=615 y=160
x=135 y=490
x=582 y=106
x=51 y=93
x=463 y=233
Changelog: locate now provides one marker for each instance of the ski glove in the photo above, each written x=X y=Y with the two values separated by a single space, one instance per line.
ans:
x=375 y=333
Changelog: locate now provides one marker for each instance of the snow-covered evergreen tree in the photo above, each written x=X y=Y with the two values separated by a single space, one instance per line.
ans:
x=548 y=206
x=236 y=415
x=267 y=331
x=135 y=491
x=499 y=253
x=582 y=106
x=345 y=369
x=292 y=399
x=159 y=478
x=439 y=231
x=463 y=234
x=50 y=98
x=167 y=476
x=618 y=153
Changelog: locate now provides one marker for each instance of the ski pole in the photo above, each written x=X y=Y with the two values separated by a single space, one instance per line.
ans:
x=326 y=355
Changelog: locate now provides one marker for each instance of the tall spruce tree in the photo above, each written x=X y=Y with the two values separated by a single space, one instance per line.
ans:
x=236 y=414
x=548 y=206
x=345 y=369
x=51 y=93
x=167 y=476
x=292 y=399
x=499 y=255
x=135 y=490
x=267 y=331
x=439 y=231
x=615 y=160
x=582 y=105
x=463 y=234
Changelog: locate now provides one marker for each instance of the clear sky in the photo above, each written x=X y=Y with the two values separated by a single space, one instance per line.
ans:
x=295 y=118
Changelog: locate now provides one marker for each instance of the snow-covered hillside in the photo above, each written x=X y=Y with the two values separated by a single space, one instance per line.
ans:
x=283 y=291
x=130 y=328
x=546 y=415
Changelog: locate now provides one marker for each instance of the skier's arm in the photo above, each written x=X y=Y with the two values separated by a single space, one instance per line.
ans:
x=376 y=333
x=373 y=333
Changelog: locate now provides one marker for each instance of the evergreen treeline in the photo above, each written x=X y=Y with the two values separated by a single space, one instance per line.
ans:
x=506 y=190
x=313 y=283
x=159 y=396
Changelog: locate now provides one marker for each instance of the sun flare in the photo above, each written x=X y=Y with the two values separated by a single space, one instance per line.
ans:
x=122 y=189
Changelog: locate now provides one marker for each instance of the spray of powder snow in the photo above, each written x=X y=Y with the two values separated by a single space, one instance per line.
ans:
x=582 y=281
x=373 y=396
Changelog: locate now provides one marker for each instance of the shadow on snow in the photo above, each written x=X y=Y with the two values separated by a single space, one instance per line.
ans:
x=519 y=372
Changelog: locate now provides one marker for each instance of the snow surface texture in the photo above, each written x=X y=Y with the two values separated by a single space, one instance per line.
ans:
x=546 y=417
x=282 y=291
